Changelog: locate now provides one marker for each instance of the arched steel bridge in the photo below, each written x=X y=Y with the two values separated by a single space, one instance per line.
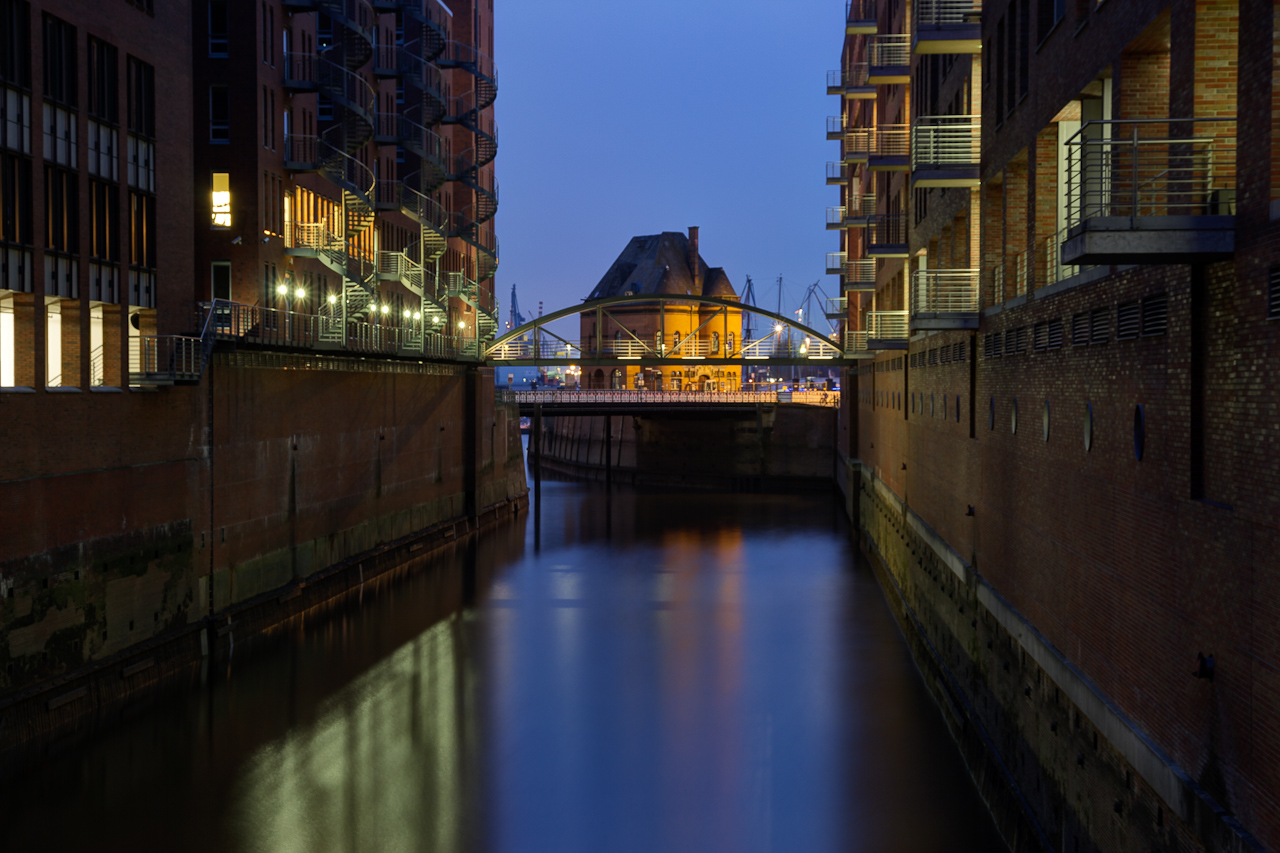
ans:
x=788 y=342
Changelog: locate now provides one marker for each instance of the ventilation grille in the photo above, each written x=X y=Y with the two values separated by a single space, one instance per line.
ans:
x=1098 y=326
x=1127 y=314
x=958 y=352
x=1155 y=315
x=1273 y=294
x=1055 y=334
x=1080 y=330
x=1040 y=337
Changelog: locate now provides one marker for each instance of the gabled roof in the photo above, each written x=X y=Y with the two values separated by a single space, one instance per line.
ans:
x=655 y=264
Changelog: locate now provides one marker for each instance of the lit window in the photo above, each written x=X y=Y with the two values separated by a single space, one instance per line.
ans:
x=221 y=200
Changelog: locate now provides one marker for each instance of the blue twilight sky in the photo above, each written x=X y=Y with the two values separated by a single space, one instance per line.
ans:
x=624 y=118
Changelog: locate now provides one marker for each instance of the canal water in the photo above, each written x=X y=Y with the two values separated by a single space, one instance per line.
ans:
x=644 y=672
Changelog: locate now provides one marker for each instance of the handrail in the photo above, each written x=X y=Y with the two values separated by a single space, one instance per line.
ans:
x=889 y=50
x=1151 y=167
x=891 y=140
x=888 y=325
x=945 y=291
x=947 y=13
x=588 y=396
x=939 y=142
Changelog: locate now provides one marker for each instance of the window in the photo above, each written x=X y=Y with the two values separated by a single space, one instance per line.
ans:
x=102 y=151
x=15 y=120
x=221 y=200
x=220 y=280
x=142 y=166
x=59 y=61
x=62 y=210
x=15 y=43
x=715 y=342
x=104 y=81
x=219 y=40
x=104 y=230
x=1050 y=12
x=141 y=85
x=729 y=344
x=142 y=230
x=15 y=202
x=147 y=6
x=219 y=115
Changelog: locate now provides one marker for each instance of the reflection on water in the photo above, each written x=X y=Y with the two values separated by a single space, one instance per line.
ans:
x=660 y=673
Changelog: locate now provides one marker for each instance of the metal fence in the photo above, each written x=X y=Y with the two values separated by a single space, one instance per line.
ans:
x=559 y=395
x=945 y=291
x=1153 y=167
x=947 y=13
x=889 y=50
x=891 y=140
x=887 y=325
x=946 y=142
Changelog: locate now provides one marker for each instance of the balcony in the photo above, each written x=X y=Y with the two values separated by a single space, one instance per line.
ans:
x=837 y=173
x=860 y=17
x=890 y=148
x=836 y=308
x=851 y=83
x=889 y=57
x=887 y=235
x=944 y=299
x=946 y=151
x=860 y=209
x=887 y=330
x=859 y=276
x=857 y=145
x=947 y=26
x=835 y=127
x=835 y=219
x=835 y=263
x=1156 y=191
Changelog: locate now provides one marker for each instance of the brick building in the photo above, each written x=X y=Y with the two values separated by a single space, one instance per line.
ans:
x=665 y=265
x=323 y=167
x=1060 y=231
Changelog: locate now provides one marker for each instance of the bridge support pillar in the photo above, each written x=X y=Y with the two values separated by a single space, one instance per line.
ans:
x=608 y=451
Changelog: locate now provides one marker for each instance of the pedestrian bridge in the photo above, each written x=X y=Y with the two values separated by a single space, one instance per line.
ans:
x=573 y=401
x=785 y=342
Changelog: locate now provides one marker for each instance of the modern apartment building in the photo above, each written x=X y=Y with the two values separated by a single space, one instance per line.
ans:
x=1059 y=223
x=246 y=254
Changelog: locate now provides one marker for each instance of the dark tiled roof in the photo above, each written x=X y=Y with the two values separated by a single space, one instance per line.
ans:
x=655 y=264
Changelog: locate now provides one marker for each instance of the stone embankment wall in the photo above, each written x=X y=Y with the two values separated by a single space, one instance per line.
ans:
x=776 y=445
x=197 y=517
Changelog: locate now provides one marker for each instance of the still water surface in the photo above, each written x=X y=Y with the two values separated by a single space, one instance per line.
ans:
x=652 y=672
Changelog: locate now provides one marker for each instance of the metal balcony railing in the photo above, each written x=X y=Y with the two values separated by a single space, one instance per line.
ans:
x=165 y=358
x=886 y=51
x=836 y=307
x=944 y=291
x=887 y=232
x=835 y=127
x=891 y=140
x=860 y=208
x=860 y=10
x=855 y=342
x=835 y=263
x=852 y=82
x=1149 y=168
x=835 y=217
x=888 y=325
x=947 y=13
x=837 y=173
x=860 y=274
x=858 y=145
x=946 y=143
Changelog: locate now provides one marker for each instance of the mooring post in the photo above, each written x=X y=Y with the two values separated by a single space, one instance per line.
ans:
x=608 y=450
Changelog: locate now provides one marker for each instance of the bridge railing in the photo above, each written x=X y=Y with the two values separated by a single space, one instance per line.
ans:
x=527 y=349
x=570 y=396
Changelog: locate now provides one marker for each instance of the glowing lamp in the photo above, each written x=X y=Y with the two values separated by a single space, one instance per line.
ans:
x=386 y=309
x=282 y=290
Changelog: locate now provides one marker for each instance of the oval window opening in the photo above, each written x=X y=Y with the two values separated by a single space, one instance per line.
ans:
x=1088 y=427
x=1139 y=432
x=1013 y=418
x=1046 y=420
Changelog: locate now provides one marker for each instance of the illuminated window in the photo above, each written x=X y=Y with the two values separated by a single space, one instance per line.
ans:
x=221 y=200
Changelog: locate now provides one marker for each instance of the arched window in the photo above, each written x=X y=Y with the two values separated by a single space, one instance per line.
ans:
x=715 y=342
x=729 y=344
x=657 y=340
x=675 y=340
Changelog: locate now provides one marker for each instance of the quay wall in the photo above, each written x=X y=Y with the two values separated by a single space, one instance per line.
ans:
x=777 y=445
x=194 y=517
x=1063 y=531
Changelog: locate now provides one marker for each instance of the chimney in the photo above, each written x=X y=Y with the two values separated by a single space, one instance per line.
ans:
x=695 y=265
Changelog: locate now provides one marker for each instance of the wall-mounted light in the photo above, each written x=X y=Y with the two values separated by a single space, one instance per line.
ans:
x=283 y=290
x=300 y=293
x=332 y=298
x=386 y=309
